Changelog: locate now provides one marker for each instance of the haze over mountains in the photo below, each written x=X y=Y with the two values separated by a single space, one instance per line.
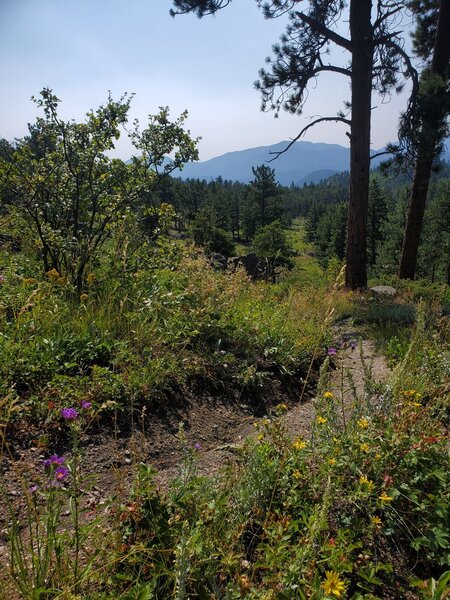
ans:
x=304 y=162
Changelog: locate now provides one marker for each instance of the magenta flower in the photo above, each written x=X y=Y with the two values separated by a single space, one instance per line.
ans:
x=198 y=446
x=85 y=405
x=331 y=351
x=54 y=460
x=61 y=473
x=70 y=414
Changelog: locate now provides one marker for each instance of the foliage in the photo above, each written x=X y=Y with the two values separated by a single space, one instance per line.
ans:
x=305 y=518
x=70 y=194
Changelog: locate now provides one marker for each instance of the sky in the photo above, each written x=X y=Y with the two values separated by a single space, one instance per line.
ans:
x=82 y=49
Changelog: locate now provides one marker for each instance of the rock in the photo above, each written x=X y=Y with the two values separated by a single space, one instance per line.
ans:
x=254 y=266
x=218 y=261
x=383 y=290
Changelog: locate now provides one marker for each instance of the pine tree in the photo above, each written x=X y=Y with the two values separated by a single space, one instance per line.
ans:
x=377 y=58
x=425 y=125
x=377 y=215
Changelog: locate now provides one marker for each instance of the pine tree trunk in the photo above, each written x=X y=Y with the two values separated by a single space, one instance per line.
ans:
x=414 y=219
x=426 y=155
x=361 y=83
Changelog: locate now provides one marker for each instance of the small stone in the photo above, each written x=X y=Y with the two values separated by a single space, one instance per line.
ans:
x=386 y=290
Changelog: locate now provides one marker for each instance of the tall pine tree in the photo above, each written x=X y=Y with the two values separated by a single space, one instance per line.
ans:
x=376 y=56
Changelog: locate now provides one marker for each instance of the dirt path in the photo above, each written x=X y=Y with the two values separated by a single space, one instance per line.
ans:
x=355 y=357
x=214 y=426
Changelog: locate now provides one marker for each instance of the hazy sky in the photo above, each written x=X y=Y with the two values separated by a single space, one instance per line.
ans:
x=83 y=48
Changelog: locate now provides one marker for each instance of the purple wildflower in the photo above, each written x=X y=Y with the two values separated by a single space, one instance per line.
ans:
x=61 y=473
x=32 y=489
x=70 y=414
x=54 y=460
x=331 y=351
x=85 y=405
x=198 y=446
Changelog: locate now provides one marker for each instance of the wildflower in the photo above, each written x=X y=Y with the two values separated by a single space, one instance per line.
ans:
x=54 y=460
x=328 y=395
x=415 y=404
x=83 y=297
x=61 y=473
x=260 y=437
x=197 y=446
x=331 y=461
x=364 y=447
x=363 y=480
x=321 y=420
x=299 y=444
x=331 y=351
x=378 y=456
x=296 y=474
x=70 y=414
x=85 y=405
x=33 y=489
x=385 y=498
x=388 y=480
x=376 y=521
x=332 y=584
x=363 y=423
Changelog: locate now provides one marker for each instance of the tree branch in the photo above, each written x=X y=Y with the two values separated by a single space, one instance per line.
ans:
x=381 y=154
x=325 y=31
x=320 y=120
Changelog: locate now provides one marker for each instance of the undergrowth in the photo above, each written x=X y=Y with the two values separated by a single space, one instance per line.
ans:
x=357 y=510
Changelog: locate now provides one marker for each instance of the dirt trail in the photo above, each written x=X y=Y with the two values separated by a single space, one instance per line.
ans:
x=215 y=426
x=354 y=357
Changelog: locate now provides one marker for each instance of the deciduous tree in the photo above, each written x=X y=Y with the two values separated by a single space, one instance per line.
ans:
x=69 y=191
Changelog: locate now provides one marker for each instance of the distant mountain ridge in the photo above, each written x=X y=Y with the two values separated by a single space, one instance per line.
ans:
x=304 y=162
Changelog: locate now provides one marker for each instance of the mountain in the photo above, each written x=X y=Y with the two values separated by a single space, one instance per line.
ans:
x=304 y=162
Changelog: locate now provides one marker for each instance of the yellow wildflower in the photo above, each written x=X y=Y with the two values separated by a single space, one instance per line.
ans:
x=328 y=395
x=296 y=474
x=83 y=297
x=363 y=480
x=331 y=461
x=376 y=521
x=90 y=278
x=332 y=584
x=378 y=456
x=363 y=423
x=299 y=444
x=321 y=420
x=364 y=447
x=385 y=498
x=260 y=437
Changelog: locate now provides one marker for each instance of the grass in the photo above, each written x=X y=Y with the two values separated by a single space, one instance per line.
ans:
x=358 y=510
